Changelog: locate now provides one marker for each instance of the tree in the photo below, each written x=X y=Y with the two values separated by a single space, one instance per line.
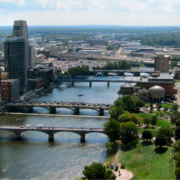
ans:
x=97 y=171
x=129 y=103
x=128 y=131
x=154 y=120
x=112 y=129
x=177 y=146
x=177 y=132
x=177 y=172
x=147 y=135
x=178 y=123
x=174 y=64
x=151 y=105
x=175 y=117
x=147 y=120
x=175 y=107
x=160 y=140
x=167 y=132
x=159 y=106
x=116 y=111
x=127 y=117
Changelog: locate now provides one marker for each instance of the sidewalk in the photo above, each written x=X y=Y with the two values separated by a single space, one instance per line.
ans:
x=125 y=175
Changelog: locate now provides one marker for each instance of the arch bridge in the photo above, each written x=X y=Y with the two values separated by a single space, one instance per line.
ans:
x=50 y=131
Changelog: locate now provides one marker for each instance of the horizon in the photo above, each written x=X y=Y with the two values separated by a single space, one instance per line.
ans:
x=91 y=12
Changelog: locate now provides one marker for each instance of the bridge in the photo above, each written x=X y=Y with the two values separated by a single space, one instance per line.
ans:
x=135 y=72
x=51 y=106
x=114 y=79
x=50 y=131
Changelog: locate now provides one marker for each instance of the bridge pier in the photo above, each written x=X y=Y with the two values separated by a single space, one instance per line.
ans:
x=17 y=135
x=108 y=84
x=83 y=138
x=73 y=83
x=90 y=84
x=76 y=110
x=52 y=110
x=101 y=111
x=28 y=109
x=51 y=136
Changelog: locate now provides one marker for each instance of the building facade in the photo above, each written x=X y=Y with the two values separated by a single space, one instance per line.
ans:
x=16 y=60
x=36 y=83
x=31 y=51
x=162 y=63
x=10 y=89
x=165 y=80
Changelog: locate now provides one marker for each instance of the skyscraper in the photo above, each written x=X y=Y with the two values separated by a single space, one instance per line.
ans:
x=20 y=30
x=15 y=56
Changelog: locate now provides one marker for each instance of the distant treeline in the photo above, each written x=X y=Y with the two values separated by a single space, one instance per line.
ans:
x=159 y=39
x=123 y=64
x=78 y=71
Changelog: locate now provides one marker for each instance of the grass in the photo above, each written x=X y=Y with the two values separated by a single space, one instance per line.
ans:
x=169 y=106
x=140 y=159
x=162 y=123
x=153 y=131
x=143 y=115
x=111 y=152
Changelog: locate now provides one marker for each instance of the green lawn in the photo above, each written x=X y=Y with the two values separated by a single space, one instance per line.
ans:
x=140 y=159
x=153 y=131
x=143 y=115
x=163 y=123
x=169 y=106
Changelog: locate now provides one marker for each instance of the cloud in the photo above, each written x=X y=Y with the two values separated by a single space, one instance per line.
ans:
x=18 y=2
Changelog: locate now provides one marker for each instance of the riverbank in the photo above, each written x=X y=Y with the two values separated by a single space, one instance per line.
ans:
x=58 y=115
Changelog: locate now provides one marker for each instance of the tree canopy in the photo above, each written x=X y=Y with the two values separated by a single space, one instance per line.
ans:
x=97 y=171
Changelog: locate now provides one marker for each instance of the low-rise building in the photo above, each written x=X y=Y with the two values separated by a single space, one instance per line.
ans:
x=164 y=80
x=36 y=83
x=126 y=89
x=10 y=89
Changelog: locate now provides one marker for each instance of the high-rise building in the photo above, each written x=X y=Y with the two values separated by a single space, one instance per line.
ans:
x=31 y=51
x=162 y=63
x=20 y=30
x=15 y=56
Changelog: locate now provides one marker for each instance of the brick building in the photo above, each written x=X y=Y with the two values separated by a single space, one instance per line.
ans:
x=162 y=63
x=10 y=89
x=164 y=80
x=36 y=83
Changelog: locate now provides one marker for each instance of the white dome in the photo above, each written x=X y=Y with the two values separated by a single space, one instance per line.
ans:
x=156 y=88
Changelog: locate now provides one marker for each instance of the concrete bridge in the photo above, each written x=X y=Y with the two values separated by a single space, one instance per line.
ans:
x=93 y=79
x=51 y=106
x=50 y=131
x=135 y=72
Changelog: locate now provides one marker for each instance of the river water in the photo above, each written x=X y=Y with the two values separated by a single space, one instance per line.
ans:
x=34 y=157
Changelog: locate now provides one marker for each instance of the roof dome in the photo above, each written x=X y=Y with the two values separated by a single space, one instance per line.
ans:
x=156 y=88
x=127 y=85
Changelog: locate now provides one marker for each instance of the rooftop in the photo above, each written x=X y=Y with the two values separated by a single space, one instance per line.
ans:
x=10 y=80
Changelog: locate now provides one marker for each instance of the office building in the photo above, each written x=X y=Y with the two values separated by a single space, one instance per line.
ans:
x=162 y=63
x=20 y=30
x=15 y=60
x=10 y=89
x=31 y=60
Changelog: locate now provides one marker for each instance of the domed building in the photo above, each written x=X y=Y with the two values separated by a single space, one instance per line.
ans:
x=156 y=93
x=126 y=89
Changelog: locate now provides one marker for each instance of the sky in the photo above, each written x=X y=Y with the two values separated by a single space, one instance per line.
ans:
x=91 y=12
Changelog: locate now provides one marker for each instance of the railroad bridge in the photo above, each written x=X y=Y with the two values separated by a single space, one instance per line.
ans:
x=50 y=131
x=28 y=107
x=90 y=80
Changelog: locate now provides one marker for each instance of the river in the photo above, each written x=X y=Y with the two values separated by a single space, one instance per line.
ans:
x=34 y=157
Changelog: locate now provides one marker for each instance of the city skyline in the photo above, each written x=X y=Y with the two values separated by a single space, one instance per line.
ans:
x=87 y=12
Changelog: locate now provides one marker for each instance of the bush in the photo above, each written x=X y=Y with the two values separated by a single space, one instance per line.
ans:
x=122 y=166
x=116 y=169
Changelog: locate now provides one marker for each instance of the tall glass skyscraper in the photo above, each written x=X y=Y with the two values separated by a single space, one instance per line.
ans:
x=15 y=56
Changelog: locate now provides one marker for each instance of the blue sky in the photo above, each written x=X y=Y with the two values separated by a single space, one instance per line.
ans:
x=84 y=12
